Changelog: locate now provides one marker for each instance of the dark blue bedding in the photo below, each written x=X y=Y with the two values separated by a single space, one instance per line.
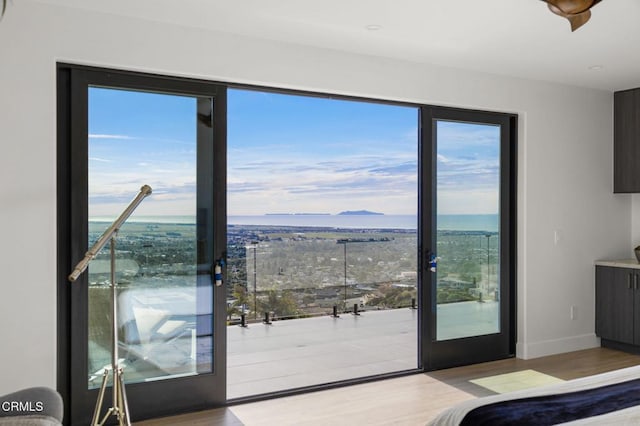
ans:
x=558 y=408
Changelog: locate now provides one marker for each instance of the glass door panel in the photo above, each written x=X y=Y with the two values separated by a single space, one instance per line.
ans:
x=138 y=138
x=468 y=237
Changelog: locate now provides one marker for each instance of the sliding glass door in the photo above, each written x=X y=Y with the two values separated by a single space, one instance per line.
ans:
x=468 y=227
x=129 y=131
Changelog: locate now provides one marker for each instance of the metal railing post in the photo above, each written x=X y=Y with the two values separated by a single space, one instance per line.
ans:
x=243 y=320
x=335 y=312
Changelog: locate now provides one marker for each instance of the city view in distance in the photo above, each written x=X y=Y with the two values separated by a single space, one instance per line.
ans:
x=313 y=269
x=306 y=270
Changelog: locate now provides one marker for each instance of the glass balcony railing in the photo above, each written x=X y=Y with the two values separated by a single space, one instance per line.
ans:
x=306 y=302
x=295 y=275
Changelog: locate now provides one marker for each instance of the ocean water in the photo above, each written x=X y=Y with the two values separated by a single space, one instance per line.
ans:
x=330 y=221
x=449 y=222
x=482 y=222
x=186 y=219
x=468 y=222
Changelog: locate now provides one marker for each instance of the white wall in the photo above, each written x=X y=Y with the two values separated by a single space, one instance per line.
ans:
x=635 y=224
x=565 y=161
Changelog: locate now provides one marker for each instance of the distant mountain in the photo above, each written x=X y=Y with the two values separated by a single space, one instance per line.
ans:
x=359 y=213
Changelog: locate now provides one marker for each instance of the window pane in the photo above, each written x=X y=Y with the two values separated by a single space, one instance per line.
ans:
x=138 y=138
x=468 y=199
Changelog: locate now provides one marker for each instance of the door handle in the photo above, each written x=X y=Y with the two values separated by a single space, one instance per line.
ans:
x=630 y=286
x=635 y=281
x=217 y=271
x=433 y=262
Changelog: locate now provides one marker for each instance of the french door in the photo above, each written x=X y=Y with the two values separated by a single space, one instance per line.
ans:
x=468 y=236
x=121 y=131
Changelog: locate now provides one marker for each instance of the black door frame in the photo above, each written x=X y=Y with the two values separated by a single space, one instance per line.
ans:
x=150 y=399
x=470 y=350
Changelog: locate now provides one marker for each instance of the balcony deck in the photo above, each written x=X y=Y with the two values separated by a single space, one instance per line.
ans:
x=296 y=353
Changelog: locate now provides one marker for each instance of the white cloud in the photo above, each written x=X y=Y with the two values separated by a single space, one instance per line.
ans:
x=107 y=136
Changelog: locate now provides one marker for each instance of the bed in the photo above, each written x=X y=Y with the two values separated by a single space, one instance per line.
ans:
x=611 y=398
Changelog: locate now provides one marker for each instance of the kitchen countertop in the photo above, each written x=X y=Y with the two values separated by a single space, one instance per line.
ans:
x=625 y=263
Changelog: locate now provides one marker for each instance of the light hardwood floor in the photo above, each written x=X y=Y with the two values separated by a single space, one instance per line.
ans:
x=411 y=400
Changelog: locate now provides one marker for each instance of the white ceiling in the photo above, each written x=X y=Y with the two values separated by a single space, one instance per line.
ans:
x=514 y=37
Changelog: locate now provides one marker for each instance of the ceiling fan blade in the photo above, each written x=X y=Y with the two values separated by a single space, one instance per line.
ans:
x=577 y=12
x=571 y=7
x=579 y=19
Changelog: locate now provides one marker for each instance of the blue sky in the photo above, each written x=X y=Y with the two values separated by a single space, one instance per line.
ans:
x=295 y=154
x=286 y=154
x=140 y=138
x=468 y=169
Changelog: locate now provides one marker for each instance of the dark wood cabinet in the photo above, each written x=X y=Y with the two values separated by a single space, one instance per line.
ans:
x=618 y=306
x=626 y=141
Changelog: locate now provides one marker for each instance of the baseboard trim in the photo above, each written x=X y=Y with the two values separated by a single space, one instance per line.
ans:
x=556 y=346
x=625 y=347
